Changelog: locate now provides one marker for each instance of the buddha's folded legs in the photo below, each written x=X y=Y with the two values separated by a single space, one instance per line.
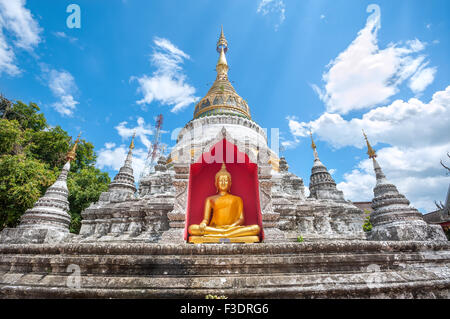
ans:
x=195 y=230
x=237 y=232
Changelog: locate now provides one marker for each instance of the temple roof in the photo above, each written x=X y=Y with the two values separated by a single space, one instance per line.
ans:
x=222 y=97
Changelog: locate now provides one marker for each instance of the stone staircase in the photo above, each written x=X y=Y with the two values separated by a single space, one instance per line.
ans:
x=358 y=269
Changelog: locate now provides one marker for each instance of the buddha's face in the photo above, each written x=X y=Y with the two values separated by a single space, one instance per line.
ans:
x=223 y=183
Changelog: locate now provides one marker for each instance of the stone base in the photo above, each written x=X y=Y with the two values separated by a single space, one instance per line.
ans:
x=173 y=236
x=124 y=238
x=293 y=236
x=283 y=270
x=216 y=240
x=408 y=230
x=273 y=235
x=34 y=235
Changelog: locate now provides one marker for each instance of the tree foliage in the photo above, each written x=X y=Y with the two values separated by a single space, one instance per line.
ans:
x=32 y=154
x=85 y=186
x=367 y=226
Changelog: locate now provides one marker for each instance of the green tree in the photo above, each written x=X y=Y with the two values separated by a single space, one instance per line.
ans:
x=9 y=137
x=22 y=181
x=26 y=115
x=367 y=226
x=85 y=187
x=31 y=157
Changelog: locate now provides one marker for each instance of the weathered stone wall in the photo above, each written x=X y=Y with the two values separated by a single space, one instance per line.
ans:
x=122 y=216
x=320 y=220
x=289 y=270
x=130 y=220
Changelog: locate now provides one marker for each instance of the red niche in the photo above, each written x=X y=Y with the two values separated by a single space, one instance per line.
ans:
x=244 y=175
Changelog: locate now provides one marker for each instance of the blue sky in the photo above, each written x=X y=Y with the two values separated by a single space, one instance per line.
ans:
x=332 y=67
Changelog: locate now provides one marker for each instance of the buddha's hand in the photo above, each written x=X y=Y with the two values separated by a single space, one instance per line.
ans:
x=202 y=227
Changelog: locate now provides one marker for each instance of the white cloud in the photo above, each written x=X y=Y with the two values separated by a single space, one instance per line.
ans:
x=416 y=173
x=19 y=22
x=419 y=132
x=171 y=60
x=358 y=185
x=62 y=85
x=403 y=123
x=7 y=58
x=364 y=76
x=167 y=84
x=63 y=35
x=421 y=79
x=18 y=19
x=142 y=130
x=293 y=143
x=114 y=158
x=290 y=144
x=273 y=6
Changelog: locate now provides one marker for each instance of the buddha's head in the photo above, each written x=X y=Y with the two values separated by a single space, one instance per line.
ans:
x=223 y=179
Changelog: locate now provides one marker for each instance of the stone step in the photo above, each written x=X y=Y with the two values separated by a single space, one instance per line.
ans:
x=304 y=270
x=431 y=274
x=388 y=284
x=214 y=264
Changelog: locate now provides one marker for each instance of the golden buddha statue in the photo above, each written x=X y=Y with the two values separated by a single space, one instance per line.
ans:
x=223 y=217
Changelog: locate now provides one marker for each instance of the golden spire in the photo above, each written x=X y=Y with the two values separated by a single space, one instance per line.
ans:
x=132 y=141
x=222 y=43
x=222 y=97
x=370 y=150
x=72 y=153
x=222 y=65
x=313 y=145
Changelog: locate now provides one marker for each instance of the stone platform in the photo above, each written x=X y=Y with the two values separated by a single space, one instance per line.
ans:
x=267 y=270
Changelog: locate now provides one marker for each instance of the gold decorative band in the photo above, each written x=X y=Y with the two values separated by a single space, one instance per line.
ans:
x=222 y=107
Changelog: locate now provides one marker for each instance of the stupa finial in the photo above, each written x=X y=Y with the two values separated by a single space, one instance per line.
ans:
x=72 y=153
x=313 y=145
x=132 y=140
x=222 y=65
x=222 y=43
x=370 y=151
